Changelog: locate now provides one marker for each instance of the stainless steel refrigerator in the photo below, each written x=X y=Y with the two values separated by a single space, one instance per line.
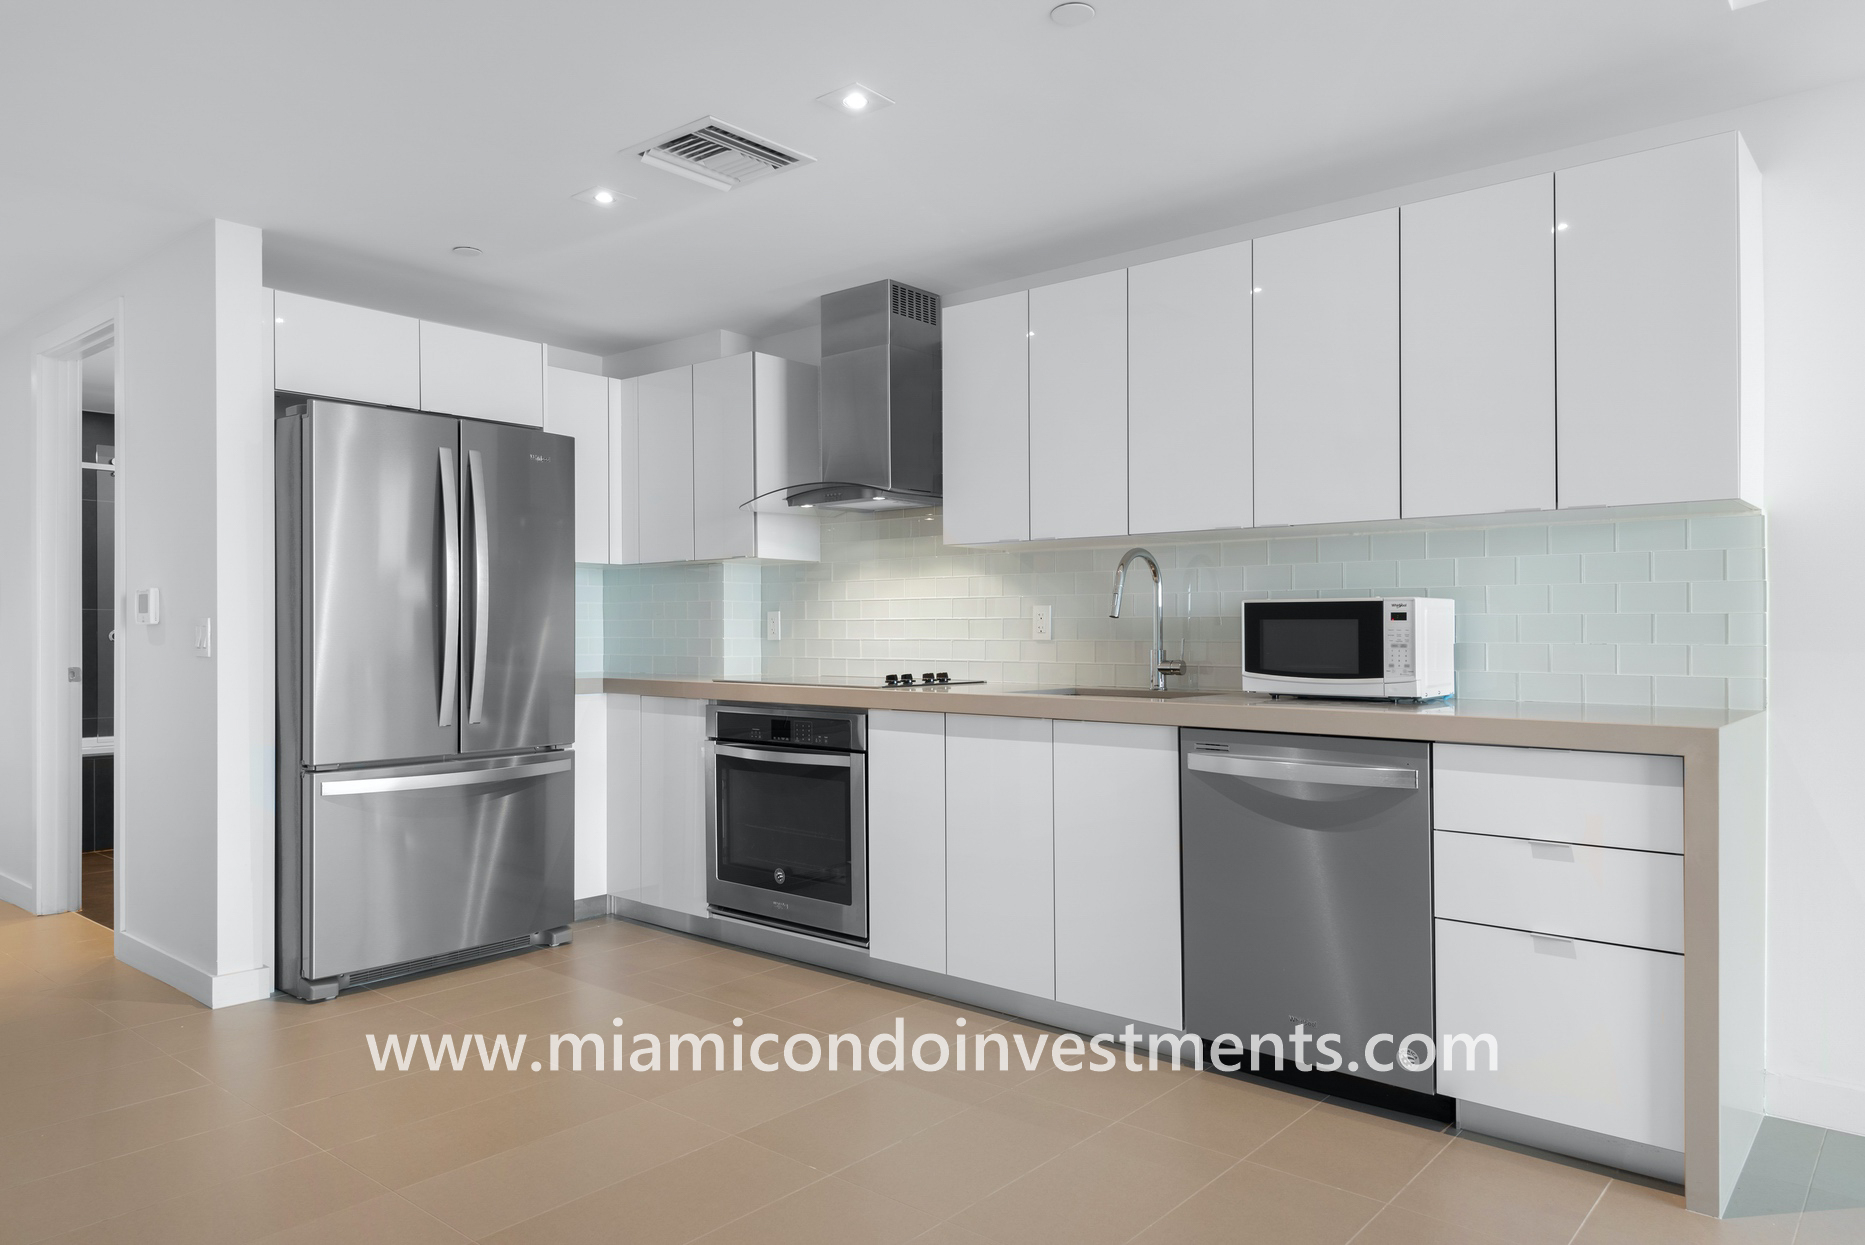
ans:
x=426 y=692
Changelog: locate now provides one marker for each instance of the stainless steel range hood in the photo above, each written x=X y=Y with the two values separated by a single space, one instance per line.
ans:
x=880 y=420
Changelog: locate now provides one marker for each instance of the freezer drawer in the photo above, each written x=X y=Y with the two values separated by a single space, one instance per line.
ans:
x=1587 y=1034
x=1602 y=893
x=412 y=861
x=1607 y=799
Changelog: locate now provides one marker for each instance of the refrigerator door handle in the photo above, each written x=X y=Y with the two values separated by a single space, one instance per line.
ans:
x=482 y=588
x=455 y=778
x=450 y=586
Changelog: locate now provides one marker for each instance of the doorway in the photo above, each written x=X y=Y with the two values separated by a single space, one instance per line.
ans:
x=98 y=624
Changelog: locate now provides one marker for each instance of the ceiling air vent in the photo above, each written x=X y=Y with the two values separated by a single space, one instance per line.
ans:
x=916 y=304
x=715 y=154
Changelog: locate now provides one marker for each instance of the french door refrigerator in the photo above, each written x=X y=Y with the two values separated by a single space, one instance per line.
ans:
x=426 y=692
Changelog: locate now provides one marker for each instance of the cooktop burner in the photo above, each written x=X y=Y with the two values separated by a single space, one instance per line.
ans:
x=936 y=678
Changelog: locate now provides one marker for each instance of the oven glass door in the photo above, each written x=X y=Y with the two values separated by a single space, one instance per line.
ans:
x=789 y=836
x=1315 y=639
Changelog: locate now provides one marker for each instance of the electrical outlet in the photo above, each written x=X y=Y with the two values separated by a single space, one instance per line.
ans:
x=1043 y=622
x=774 y=625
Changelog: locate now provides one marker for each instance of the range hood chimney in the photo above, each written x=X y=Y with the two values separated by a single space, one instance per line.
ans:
x=880 y=418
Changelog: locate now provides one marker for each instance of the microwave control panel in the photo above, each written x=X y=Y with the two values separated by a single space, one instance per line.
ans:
x=1399 y=631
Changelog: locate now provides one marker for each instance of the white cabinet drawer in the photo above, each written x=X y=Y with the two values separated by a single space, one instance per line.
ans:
x=1607 y=799
x=1587 y=1033
x=1602 y=893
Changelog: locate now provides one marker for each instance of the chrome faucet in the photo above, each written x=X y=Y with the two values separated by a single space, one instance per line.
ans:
x=1161 y=667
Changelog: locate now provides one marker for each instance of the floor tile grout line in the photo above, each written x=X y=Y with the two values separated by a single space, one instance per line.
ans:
x=1582 y=1225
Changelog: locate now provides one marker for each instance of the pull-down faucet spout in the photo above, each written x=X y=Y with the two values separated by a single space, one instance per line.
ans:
x=1160 y=666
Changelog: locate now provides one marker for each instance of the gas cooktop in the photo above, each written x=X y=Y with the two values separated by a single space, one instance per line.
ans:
x=929 y=679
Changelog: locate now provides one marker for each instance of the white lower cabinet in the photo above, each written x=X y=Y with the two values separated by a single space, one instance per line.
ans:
x=673 y=804
x=624 y=795
x=1587 y=1034
x=1000 y=852
x=1117 y=870
x=592 y=796
x=1607 y=799
x=906 y=838
x=1601 y=893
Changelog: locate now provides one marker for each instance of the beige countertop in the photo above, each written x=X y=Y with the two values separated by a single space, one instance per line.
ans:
x=1610 y=728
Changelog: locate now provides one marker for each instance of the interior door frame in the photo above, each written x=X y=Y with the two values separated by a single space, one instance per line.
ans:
x=57 y=766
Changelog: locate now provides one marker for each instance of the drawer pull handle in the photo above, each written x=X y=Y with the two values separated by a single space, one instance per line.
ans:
x=1563 y=947
x=1552 y=851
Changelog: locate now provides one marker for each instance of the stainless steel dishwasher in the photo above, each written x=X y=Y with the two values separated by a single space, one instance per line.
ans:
x=1307 y=897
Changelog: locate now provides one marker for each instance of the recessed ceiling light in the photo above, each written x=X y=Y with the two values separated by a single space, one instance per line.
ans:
x=601 y=196
x=1071 y=14
x=467 y=252
x=854 y=99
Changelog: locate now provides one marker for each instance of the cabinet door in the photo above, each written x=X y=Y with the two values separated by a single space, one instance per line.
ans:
x=576 y=404
x=1606 y=799
x=1587 y=1033
x=1476 y=319
x=724 y=459
x=1000 y=852
x=673 y=804
x=664 y=408
x=986 y=383
x=1327 y=372
x=624 y=474
x=481 y=375
x=1078 y=407
x=1189 y=437
x=592 y=795
x=1649 y=293
x=333 y=350
x=625 y=795
x=1603 y=894
x=906 y=838
x=1117 y=870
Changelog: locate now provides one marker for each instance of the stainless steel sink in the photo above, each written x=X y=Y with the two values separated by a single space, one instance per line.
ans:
x=1138 y=693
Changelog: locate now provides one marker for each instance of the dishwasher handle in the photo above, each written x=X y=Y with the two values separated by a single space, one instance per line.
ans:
x=1325 y=772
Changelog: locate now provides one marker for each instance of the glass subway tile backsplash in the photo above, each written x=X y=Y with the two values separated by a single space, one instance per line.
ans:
x=1648 y=611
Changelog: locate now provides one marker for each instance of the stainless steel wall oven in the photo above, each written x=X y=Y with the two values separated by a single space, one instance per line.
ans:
x=787 y=817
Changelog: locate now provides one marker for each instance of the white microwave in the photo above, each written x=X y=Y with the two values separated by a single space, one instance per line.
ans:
x=1377 y=648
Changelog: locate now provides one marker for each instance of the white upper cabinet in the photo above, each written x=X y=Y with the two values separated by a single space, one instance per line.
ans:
x=1657 y=275
x=664 y=409
x=333 y=350
x=1078 y=407
x=481 y=375
x=1117 y=851
x=624 y=473
x=754 y=432
x=986 y=384
x=1188 y=392
x=576 y=404
x=1327 y=372
x=1476 y=318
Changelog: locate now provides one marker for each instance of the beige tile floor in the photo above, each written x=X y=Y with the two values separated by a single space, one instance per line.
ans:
x=128 y=1113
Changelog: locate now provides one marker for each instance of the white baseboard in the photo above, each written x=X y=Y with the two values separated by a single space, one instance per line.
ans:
x=222 y=990
x=1823 y=1104
x=16 y=892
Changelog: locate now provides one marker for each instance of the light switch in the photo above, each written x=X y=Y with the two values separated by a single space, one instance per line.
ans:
x=1042 y=625
x=203 y=637
x=774 y=625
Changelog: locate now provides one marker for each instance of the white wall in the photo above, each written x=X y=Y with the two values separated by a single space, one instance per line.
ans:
x=700 y=347
x=194 y=767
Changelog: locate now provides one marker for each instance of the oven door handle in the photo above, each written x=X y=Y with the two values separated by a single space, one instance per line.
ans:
x=784 y=756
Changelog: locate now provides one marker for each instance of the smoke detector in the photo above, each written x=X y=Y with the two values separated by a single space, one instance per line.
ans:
x=713 y=153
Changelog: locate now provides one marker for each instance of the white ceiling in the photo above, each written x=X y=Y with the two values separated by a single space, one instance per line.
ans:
x=368 y=137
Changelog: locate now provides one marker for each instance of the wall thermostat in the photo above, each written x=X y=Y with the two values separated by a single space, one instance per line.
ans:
x=148 y=606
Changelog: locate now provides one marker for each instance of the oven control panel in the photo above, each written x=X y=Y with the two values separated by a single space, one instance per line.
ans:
x=838 y=733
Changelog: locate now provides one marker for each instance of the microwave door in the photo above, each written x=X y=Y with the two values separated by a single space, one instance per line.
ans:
x=518 y=509
x=1340 y=643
